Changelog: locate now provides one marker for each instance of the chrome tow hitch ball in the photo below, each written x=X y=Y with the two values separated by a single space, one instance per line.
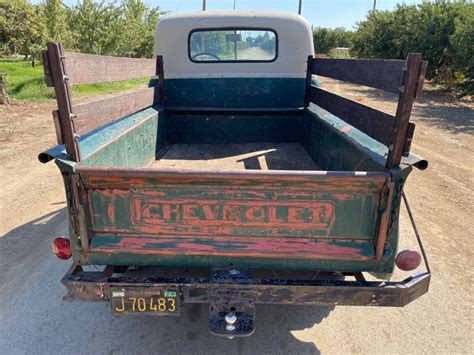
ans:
x=230 y=319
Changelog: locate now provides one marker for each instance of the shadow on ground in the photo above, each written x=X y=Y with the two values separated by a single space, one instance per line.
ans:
x=25 y=241
x=435 y=107
x=35 y=318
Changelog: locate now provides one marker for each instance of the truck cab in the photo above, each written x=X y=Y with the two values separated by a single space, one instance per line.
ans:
x=240 y=182
x=235 y=60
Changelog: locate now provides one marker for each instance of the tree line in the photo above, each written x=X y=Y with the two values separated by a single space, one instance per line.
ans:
x=442 y=31
x=125 y=28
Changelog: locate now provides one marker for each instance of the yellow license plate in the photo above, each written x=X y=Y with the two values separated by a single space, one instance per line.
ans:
x=145 y=300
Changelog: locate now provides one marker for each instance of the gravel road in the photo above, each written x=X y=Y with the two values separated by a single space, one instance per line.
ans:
x=34 y=319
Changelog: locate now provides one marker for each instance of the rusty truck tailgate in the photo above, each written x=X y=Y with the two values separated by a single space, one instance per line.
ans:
x=152 y=216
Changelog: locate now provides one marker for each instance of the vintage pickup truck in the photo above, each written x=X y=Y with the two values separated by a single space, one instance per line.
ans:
x=236 y=180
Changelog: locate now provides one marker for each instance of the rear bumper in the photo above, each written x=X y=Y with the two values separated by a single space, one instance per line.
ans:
x=233 y=293
x=200 y=286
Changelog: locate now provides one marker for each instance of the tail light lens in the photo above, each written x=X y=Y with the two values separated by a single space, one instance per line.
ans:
x=408 y=260
x=61 y=248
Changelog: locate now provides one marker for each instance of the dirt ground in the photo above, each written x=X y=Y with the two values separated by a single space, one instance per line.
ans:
x=32 y=212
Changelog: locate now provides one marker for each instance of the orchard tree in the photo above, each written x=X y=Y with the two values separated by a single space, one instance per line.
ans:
x=23 y=31
x=325 y=38
x=463 y=49
x=441 y=31
x=56 y=22
x=95 y=27
x=137 y=26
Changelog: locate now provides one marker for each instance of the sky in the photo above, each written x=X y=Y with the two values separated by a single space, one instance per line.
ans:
x=322 y=13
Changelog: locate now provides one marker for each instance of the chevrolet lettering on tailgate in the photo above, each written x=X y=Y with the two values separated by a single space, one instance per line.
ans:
x=149 y=211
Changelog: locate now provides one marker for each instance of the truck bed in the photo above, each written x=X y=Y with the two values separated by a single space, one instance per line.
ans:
x=247 y=156
x=279 y=190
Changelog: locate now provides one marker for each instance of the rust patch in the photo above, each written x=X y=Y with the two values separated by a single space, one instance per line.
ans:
x=305 y=248
x=111 y=213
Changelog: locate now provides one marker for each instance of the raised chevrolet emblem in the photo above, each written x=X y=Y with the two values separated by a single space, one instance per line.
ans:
x=312 y=215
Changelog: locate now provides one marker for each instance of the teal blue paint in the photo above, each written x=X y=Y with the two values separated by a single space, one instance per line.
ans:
x=235 y=92
x=209 y=128
x=105 y=146
x=239 y=262
x=335 y=150
x=93 y=141
x=377 y=151
x=318 y=131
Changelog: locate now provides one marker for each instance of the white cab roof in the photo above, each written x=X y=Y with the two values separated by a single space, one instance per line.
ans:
x=295 y=44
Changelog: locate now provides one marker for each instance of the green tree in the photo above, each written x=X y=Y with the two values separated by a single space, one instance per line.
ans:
x=441 y=31
x=137 y=26
x=95 y=27
x=56 y=22
x=463 y=49
x=325 y=38
x=22 y=29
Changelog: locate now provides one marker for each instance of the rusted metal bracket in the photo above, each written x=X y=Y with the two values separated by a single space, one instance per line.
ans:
x=386 y=208
x=73 y=217
x=78 y=196
x=232 y=309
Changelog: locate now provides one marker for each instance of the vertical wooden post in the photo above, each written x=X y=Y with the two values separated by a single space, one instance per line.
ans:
x=309 y=77
x=405 y=104
x=160 y=90
x=59 y=78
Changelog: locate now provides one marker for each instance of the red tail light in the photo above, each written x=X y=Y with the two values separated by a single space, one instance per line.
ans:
x=408 y=260
x=61 y=248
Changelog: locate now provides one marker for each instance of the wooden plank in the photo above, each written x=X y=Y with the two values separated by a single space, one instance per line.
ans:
x=57 y=68
x=90 y=68
x=57 y=127
x=92 y=115
x=160 y=89
x=380 y=74
x=405 y=103
x=421 y=79
x=374 y=123
x=409 y=138
x=48 y=79
x=309 y=77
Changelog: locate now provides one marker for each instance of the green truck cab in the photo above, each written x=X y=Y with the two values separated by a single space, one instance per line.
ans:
x=240 y=181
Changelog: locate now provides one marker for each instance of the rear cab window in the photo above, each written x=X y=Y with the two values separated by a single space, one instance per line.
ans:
x=232 y=45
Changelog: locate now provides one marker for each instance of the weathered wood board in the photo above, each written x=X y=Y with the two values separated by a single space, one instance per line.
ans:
x=90 y=68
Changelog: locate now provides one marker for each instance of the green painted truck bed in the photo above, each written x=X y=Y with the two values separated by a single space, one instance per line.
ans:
x=273 y=189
